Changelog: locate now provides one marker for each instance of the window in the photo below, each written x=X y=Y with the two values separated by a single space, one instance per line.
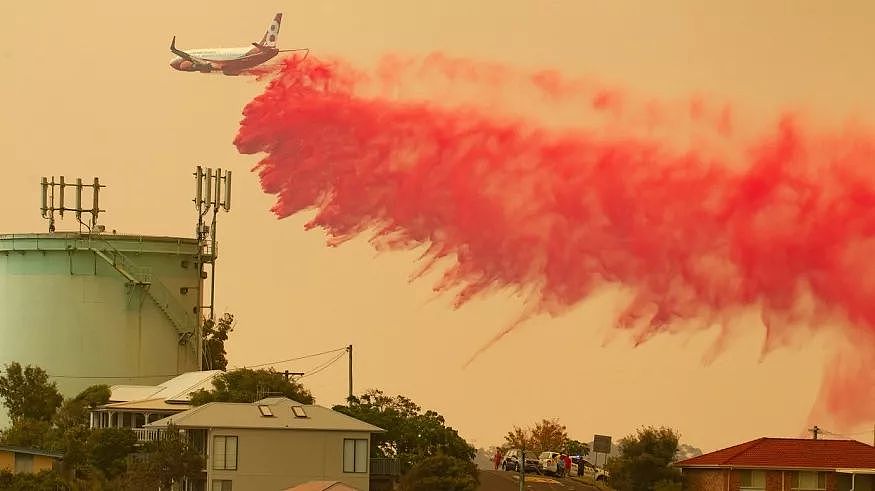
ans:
x=23 y=463
x=221 y=485
x=751 y=479
x=355 y=455
x=225 y=453
x=265 y=411
x=299 y=412
x=809 y=480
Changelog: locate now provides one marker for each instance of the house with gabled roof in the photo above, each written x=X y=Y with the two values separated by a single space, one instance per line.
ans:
x=275 y=443
x=783 y=464
x=134 y=406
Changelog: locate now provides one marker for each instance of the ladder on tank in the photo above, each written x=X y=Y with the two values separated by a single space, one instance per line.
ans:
x=139 y=277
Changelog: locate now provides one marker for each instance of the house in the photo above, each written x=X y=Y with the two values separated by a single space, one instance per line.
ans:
x=783 y=464
x=133 y=406
x=18 y=460
x=275 y=443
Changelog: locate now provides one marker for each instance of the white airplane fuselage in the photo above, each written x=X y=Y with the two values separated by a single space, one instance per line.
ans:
x=230 y=61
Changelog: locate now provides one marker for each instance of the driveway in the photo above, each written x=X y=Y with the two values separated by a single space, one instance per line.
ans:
x=509 y=481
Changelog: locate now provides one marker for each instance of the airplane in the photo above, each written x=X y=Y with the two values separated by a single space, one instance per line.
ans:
x=230 y=61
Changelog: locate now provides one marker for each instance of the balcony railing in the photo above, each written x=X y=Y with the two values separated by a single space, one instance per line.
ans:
x=385 y=467
x=146 y=434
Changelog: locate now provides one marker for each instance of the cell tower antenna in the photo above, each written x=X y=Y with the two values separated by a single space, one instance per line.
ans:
x=49 y=207
x=212 y=192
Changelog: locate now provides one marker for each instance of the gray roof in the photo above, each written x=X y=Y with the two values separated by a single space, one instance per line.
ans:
x=248 y=415
x=30 y=451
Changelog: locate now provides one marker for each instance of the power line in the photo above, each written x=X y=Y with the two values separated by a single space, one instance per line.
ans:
x=304 y=357
x=296 y=358
x=113 y=376
x=324 y=366
x=847 y=435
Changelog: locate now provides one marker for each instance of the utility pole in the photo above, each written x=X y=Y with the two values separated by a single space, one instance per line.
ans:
x=349 y=350
x=287 y=374
x=522 y=470
x=814 y=431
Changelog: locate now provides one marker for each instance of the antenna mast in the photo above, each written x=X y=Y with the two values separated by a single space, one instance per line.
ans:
x=49 y=207
x=212 y=192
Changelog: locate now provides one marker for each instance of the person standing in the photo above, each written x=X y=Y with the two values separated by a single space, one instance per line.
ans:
x=497 y=458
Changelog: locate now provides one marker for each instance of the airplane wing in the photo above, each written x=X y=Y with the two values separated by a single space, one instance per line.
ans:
x=182 y=54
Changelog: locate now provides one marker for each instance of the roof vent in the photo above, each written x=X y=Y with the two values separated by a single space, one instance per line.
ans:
x=265 y=410
x=299 y=411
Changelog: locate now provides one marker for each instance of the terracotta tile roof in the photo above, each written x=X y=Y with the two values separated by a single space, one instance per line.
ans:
x=789 y=453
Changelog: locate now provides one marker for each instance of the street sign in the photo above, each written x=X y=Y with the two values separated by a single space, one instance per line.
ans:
x=601 y=444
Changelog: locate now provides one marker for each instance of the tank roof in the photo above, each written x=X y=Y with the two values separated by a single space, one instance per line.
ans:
x=105 y=236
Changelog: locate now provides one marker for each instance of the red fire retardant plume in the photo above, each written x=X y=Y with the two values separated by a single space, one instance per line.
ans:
x=697 y=233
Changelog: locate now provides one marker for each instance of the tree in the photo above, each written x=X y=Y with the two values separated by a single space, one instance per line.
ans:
x=41 y=481
x=519 y=438
x=215 y=333
x=411 y=434
x=247 y=385
x=108 y=449
x=29 y=433
x=644 y=460
x=164 y=462
x=549 y=434
x=441 y=473
x=71 y=431
x=574 y=447
x=74 y=412
x=27 y=393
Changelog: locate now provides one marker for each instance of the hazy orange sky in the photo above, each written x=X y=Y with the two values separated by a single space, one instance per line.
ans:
x=87 y=91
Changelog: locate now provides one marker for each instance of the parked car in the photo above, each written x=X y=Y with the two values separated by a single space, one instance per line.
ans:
x=549 y=462
x=511 y=461
x=591 y=471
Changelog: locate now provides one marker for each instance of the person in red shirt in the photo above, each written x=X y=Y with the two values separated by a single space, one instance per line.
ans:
x=567 y=460
x=497 y=458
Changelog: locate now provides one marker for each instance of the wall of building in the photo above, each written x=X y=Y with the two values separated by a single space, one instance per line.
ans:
x=70 y=312
x=42 y=463
x=7 y=461
x=278 y=459
x=715 y=480
x=861 y=483
x=704 y=479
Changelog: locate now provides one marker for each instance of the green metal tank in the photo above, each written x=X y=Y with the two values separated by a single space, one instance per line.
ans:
x=100 y=308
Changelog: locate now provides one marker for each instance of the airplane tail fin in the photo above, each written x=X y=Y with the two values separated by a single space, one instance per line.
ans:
x=269 y=39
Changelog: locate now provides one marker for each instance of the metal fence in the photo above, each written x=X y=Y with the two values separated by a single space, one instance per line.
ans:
x=385 y=467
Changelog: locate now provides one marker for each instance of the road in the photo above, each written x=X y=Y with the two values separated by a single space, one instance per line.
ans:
x=509 y=481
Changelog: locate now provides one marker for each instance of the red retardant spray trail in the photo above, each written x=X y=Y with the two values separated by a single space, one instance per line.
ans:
x=782 y=222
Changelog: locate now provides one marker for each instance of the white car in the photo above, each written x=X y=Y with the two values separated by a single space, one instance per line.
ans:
x=591 y=471
x=549 y=461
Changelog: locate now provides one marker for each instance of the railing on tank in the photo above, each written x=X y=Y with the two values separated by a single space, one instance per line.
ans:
x=171 y=307
x=141 y=276
x=122 y=263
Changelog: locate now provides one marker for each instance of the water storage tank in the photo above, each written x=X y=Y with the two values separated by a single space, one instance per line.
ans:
x=100 y=309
